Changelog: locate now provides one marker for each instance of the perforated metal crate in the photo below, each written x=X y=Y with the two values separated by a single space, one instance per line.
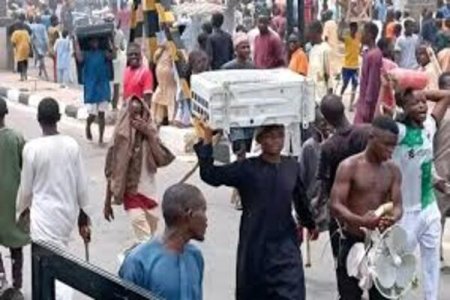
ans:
x=251 y=98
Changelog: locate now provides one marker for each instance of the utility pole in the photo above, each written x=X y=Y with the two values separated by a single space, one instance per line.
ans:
x=301 y=20
x=289 y=17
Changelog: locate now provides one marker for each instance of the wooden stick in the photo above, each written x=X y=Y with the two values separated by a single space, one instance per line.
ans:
x=189 y=173
x=199 y=132
x=86 y=251
x=308 y=251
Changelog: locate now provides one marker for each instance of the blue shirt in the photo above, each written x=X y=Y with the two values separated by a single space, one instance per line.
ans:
x=445 y=10
x=382 y=10
x=46 y=21
x=166 y=274
x=96 y=74
x=39 y=38
x=429 y=31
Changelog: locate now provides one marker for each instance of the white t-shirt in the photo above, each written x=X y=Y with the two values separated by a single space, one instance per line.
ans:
x=407 y=46
x=414 y=157
x=54 y=186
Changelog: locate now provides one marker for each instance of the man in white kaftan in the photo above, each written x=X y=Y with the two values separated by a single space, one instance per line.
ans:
x=53 y=184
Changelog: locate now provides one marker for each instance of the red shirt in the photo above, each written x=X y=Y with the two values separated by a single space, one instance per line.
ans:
x=137 y=82
x=131 y=201
x=268 y=51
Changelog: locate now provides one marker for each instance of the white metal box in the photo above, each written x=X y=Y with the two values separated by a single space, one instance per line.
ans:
x=250 y=98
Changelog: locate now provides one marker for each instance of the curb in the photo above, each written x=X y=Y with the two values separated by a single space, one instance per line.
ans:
x=32 y=100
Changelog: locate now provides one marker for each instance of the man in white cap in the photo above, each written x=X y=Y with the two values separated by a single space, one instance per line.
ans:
x=241 y=46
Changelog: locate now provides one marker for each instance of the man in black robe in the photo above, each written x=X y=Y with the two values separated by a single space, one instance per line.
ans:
x=269 y=262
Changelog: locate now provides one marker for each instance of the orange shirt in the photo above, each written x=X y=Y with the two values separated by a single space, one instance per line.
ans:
x=299 y=62
x=390 y=30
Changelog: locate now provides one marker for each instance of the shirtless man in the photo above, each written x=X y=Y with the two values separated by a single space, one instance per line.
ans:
x=364 y=182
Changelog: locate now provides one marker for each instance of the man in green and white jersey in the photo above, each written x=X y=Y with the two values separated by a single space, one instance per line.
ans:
x=414 y=156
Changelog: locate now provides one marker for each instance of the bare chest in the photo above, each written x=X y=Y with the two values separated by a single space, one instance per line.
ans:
x=372 y=180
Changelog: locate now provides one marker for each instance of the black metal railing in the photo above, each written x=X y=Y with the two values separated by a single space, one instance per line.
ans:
x=50 y=263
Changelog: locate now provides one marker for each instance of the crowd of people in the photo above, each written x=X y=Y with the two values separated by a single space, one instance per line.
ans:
x=395 y=150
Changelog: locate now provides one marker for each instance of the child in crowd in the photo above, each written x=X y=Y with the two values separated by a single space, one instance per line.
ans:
x=63 y=52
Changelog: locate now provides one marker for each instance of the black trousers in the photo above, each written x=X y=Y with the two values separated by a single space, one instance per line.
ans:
x=22 y=66
x=348 y=286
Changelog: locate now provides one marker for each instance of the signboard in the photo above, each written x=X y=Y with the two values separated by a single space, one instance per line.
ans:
x=416 y=7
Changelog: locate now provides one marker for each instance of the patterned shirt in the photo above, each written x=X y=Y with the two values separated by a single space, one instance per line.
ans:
x=414 y=156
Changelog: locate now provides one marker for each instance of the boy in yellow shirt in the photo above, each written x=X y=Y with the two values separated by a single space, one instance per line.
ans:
x=21 y=43
x=352 y=43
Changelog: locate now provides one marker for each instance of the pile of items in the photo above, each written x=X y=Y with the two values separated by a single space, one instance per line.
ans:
x=201 y=8
x=253 y=98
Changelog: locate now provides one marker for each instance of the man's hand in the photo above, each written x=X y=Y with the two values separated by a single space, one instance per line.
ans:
x=140 y=125
x=385 y=110
x=385 y=223
x=313 y=234
x=370 y=220
x=85 y=233
x=441 y=185
x=84 y=226
x=208 y=133
x=108 y=212
x=25 y=214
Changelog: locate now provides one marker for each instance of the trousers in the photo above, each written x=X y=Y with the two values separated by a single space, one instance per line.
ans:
x=144 y=223
x=424 y=230
x=17 y=265
x=348 y=286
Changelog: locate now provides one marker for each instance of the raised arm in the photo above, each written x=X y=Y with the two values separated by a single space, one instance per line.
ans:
x=111 y=52
x=229 y=175
x=77 y=50
x=442 y=100
x=341 y=28
x=339 y=199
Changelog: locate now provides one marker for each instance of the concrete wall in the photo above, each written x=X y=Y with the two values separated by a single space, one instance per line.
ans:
x=3 y=49
x=6 y=56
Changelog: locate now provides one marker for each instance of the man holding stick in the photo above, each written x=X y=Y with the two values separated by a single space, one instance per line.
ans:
x=269 y=264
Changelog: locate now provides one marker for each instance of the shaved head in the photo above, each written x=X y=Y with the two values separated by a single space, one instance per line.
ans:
x=180 y=199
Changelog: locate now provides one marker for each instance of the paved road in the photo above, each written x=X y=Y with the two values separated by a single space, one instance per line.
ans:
x=219 y=249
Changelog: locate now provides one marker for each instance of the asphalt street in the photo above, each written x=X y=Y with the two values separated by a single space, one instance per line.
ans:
x=219 y=248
